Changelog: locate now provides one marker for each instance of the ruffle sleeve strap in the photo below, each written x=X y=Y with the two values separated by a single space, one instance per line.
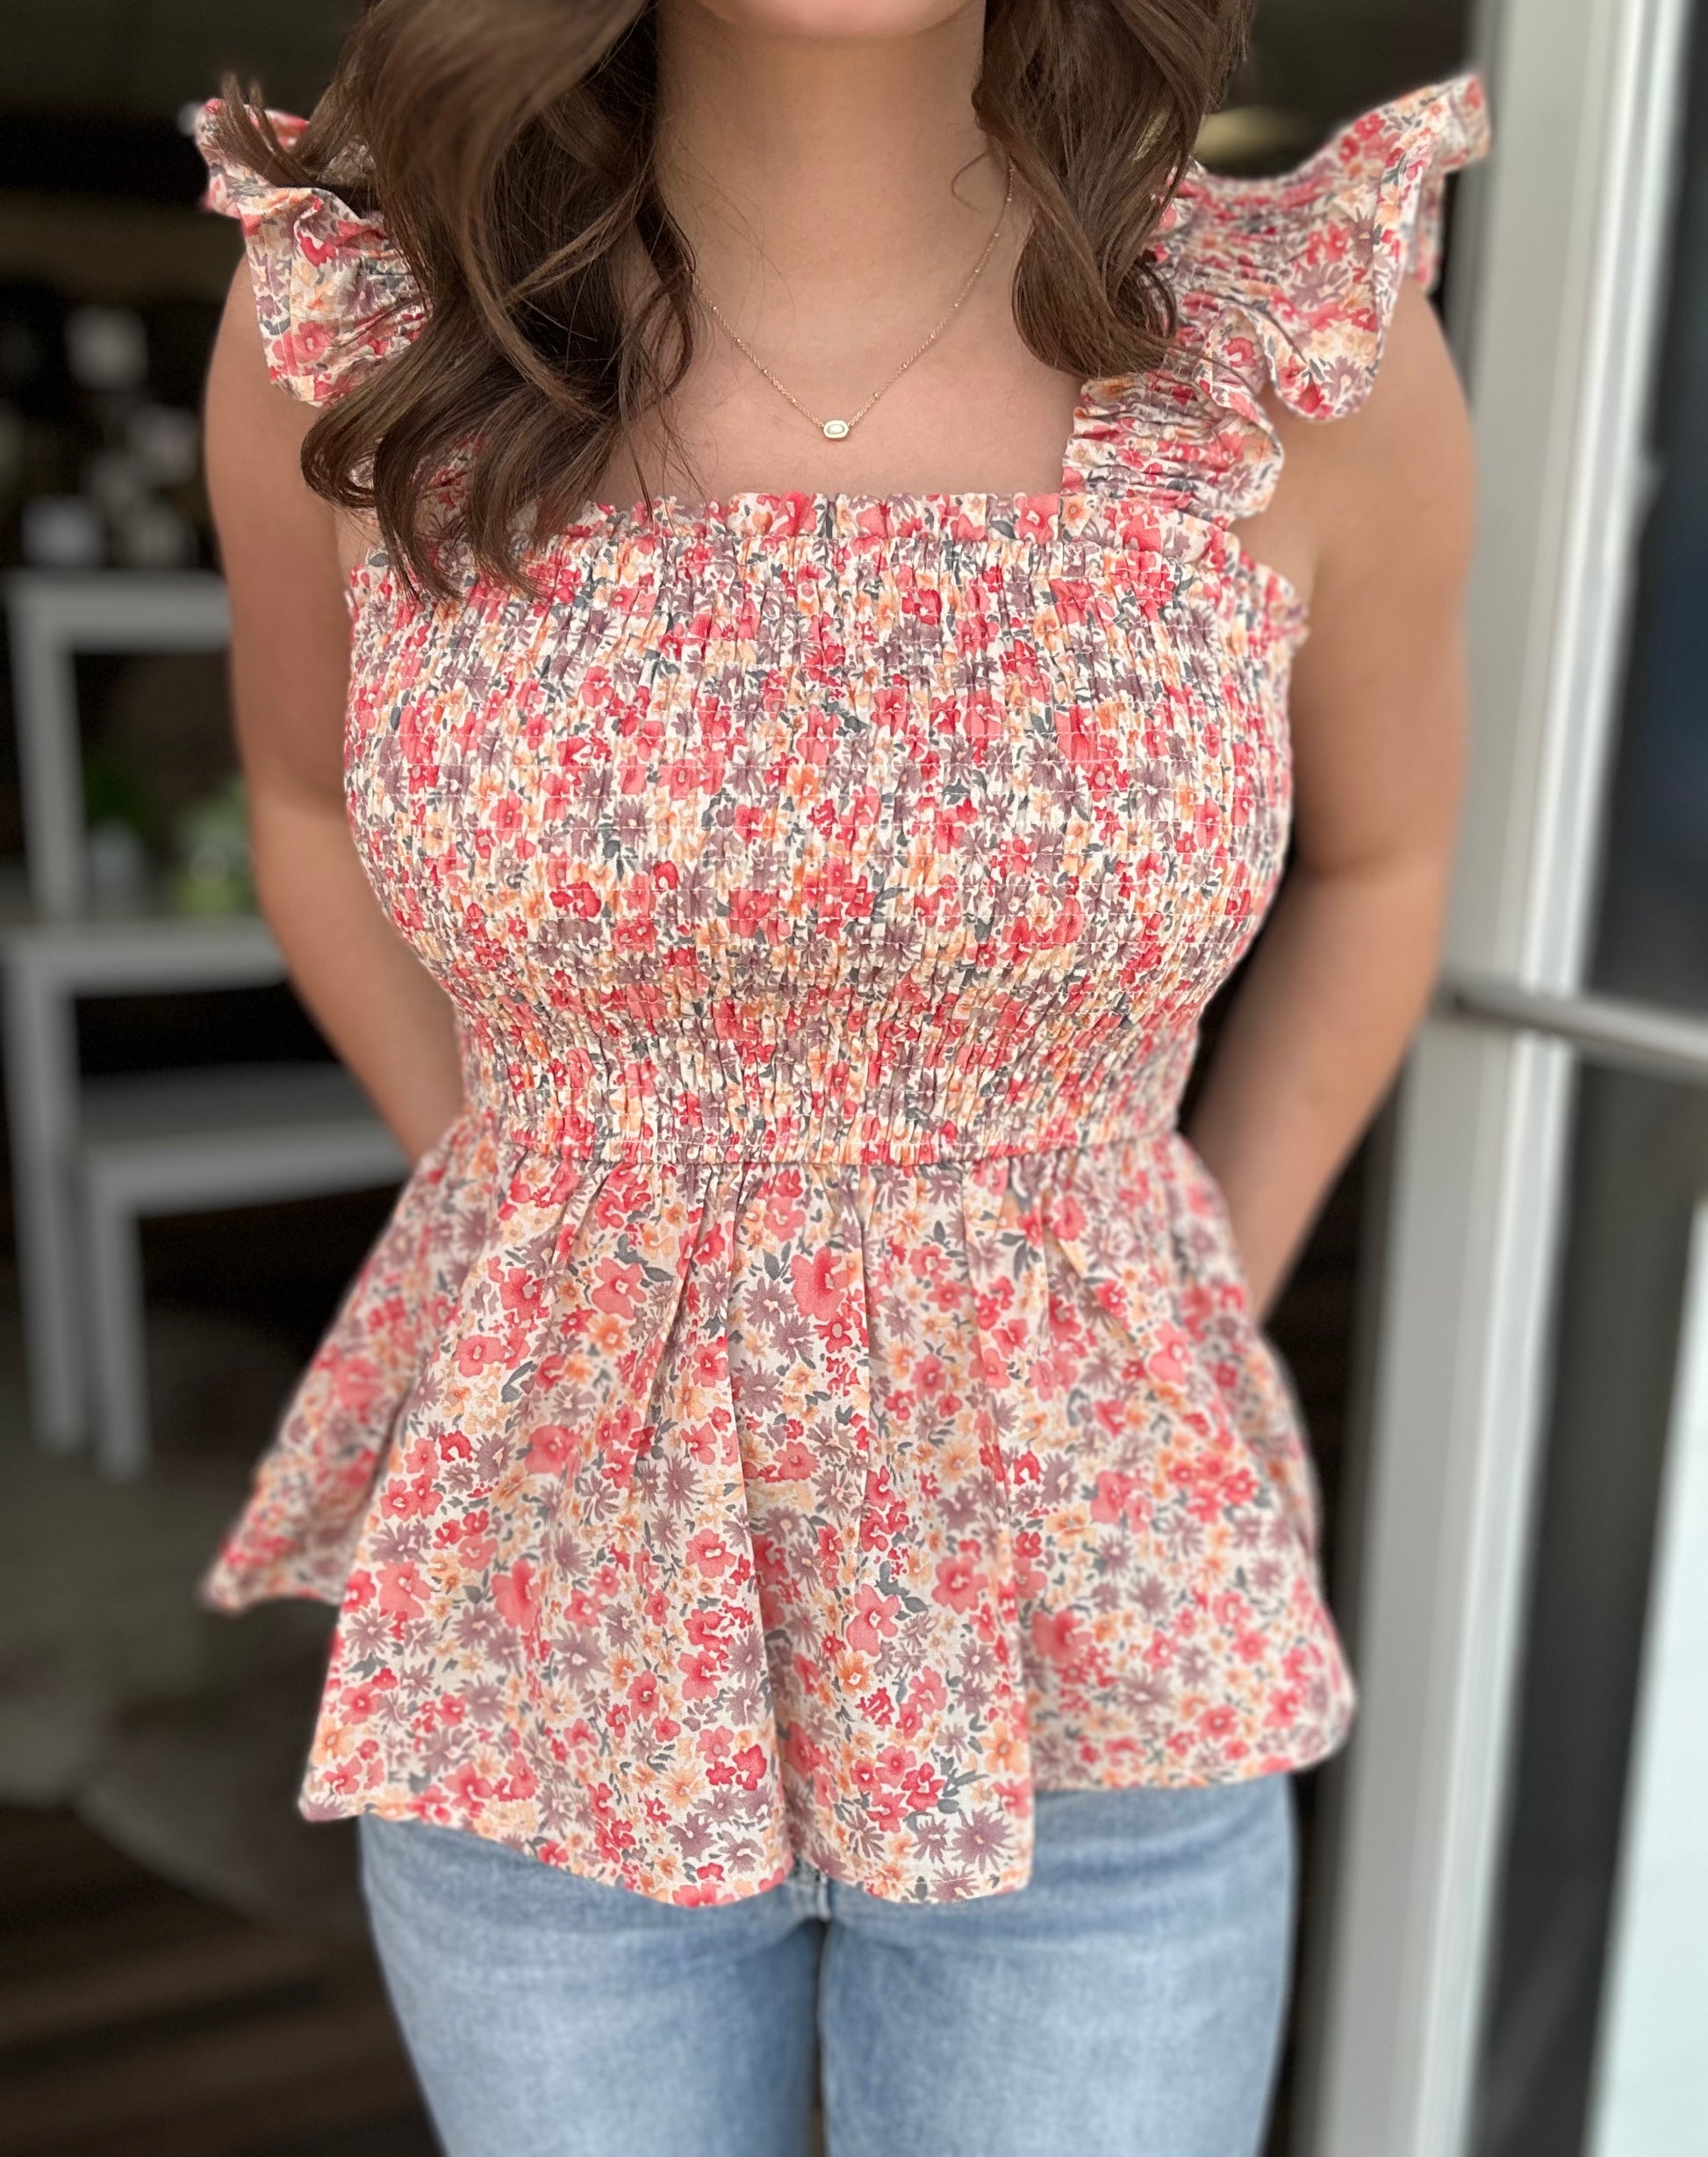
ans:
x=333 y=296
x=1294 y=280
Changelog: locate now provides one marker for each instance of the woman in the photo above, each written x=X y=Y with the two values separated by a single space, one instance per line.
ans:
x=826 y=1558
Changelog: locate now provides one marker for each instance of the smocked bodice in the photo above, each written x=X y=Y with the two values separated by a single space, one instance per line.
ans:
x=811 y=834
x=808 y=1397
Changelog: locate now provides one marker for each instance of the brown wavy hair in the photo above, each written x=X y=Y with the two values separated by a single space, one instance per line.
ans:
x=508 y=144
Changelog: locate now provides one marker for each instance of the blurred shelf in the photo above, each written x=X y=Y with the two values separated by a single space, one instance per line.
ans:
x=116 y=253
x=230 y=1135
x=108 y=952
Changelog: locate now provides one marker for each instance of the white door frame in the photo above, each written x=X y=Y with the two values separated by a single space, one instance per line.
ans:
x=1555 y=312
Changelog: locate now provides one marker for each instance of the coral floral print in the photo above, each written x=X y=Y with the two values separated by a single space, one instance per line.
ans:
x=807 y=1399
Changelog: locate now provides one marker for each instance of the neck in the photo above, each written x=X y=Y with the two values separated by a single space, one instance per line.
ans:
x=829 y=163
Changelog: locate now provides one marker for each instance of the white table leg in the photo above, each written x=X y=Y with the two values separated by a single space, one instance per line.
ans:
x=41 y=1098
x=118 y=1342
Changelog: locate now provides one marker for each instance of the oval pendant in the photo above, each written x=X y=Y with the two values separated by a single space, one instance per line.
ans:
x=835 y=430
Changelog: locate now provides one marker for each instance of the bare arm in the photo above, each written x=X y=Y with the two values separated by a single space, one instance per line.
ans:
x=280 y=548
x=1379 y=508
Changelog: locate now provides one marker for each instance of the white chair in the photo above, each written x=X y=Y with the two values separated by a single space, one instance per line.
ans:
x=51 y=616
x=180 y=1141
x=92 y=1157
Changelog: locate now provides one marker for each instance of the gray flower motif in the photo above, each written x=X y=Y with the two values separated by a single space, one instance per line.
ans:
x=398 y=1543
x=982 y=1838
x=929 y=1833
x=692 y=1834
x=577 y=1655
x=747 y=1659
x=1194 y=1667
x=1146 y=1698
x=1153 y=1597
x=366 y=1633
x=1178 y=1534
x=675 y=1483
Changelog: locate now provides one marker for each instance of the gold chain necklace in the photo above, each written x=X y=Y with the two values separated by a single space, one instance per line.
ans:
x=839 y=430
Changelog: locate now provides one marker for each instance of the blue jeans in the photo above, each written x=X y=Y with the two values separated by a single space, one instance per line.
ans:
x=1130 y=1999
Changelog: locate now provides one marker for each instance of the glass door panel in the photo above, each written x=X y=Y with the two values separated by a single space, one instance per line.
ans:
x=1568 y=2068
x=1640 y=1172
x=1499 y=1609
x=1652 y=939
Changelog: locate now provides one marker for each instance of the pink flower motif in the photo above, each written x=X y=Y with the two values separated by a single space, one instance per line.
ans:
x=301 y=349
x=795 y=1462
x=1067 y=1216
x=960 y=1582
x=402 y=1592
x=922 y=1786
x=819 y=1283
x=1120 y=1498
x=477 y=1352
x=887 y=1809
x=708 y=1552
x=618 y=1289
x=751 y=913
x=358 y=1702
x=549 y=1449
x=469 y=1786
x=752 y=1765
x=697 y=1894
x=517 y=1596
x=1167 y=1361
x=1059 y=1637
x=873 y=1620
x=355 y=1380
x=702 y=1668
x=927 y=1696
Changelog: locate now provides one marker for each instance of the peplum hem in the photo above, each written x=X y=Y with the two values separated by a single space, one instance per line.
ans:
x=684 y=1518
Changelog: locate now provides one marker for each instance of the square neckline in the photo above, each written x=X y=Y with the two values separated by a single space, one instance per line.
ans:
x=671 y=513
x=688 y=513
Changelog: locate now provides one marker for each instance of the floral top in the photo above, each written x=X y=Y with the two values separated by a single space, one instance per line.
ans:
x=808 y=1399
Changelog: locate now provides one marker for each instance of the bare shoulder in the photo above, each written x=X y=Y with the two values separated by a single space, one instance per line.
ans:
x=1390 y=491
x=254 y=433
x=279 y=551
x=251 y=420
x=1384 y=503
